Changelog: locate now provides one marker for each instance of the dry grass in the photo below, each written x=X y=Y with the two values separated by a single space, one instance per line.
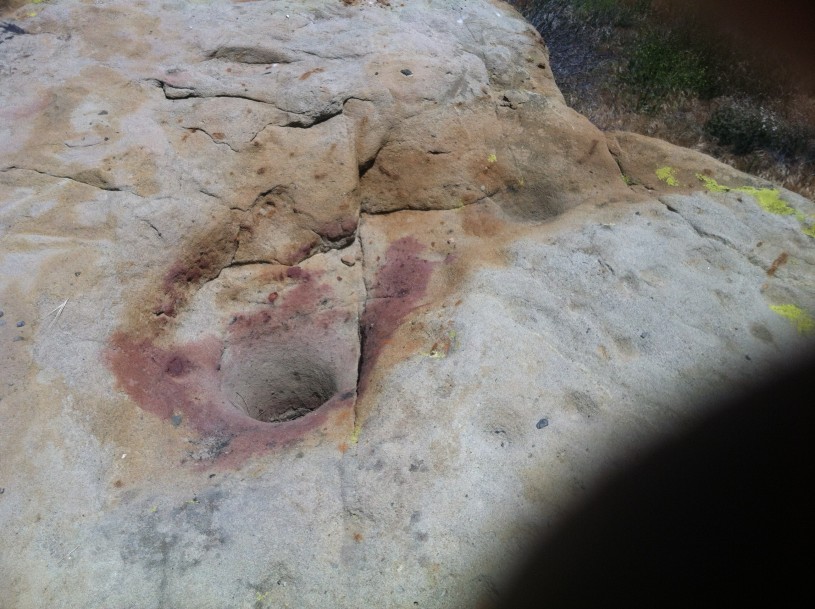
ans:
x=609 y=68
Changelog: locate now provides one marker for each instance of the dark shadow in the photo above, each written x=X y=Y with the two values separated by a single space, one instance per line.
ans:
x=720 y=516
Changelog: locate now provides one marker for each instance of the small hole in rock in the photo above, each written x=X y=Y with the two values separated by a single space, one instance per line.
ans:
x=276 y=387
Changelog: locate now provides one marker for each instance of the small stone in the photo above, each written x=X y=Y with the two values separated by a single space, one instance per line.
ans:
x=176 y=421
x=17 y=339
x=406 y=72
x=20 y=324
x=542 y=423
x=348 y=260
x=1 y=314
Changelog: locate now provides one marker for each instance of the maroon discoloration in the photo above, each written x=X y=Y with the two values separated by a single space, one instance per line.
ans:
x=142 y=370
x=299 y=309
x=175 y=283
x=301 y=253
x=296 y=272
x=186 y=379
x=192 y=270
x=342 y=227
x=178 y=366
x=398 y=287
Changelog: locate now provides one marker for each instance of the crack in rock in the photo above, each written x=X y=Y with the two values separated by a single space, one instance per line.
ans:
x=251 y=55
x=94 y=180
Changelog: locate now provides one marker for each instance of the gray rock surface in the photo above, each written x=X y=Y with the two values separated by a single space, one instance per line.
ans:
x=338 y=304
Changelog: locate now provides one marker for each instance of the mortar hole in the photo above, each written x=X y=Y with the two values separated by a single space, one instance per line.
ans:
x=277 y=388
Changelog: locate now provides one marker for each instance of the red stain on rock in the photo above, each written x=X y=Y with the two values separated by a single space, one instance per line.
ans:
x=186 y=381
x=178 y=366
x=147 y=373
x=273 y=376
x=398 y=287
x=193 y=268
x=296 y=272
x=339 y=228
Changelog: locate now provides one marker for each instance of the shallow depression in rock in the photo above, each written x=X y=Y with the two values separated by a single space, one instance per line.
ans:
x=279 y=386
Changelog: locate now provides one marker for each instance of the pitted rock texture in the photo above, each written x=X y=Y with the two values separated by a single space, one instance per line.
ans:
x=299 y=282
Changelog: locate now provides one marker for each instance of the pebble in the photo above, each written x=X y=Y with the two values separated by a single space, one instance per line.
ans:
x=542 y=423
x=20 y=324
x=1 y=314
x=348 y=260
x=406 y=72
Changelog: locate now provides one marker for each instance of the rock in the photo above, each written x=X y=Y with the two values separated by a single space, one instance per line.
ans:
x=324 y=308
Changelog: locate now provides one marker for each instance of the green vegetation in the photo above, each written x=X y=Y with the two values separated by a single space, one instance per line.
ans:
x=669 y=69
x=662 y=66
x=612 y=12
x=745 y=126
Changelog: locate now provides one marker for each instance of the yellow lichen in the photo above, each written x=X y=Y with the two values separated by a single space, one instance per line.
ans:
x=355 y=434
x=492 y=158
x=711 y=184
x=667 y=175
x=768 y=198
x=804 y=322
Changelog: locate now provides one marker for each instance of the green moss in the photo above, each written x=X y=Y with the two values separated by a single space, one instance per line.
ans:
x=804 y=322
x=810 y=231
x=667 y=175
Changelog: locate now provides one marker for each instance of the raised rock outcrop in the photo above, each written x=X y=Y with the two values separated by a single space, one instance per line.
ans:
x=327 y=303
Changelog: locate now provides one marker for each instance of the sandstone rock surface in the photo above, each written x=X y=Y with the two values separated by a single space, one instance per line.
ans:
x=339 y=304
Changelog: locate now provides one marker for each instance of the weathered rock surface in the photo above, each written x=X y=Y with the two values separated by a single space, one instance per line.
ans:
x=338 y=304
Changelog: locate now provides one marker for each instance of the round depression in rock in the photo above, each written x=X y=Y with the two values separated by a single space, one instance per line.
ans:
x=276 y=385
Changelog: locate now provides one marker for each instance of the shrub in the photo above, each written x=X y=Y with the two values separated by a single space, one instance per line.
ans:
x=619 y=13
x=667 y=64
x=744 y=127
x=739 y=129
